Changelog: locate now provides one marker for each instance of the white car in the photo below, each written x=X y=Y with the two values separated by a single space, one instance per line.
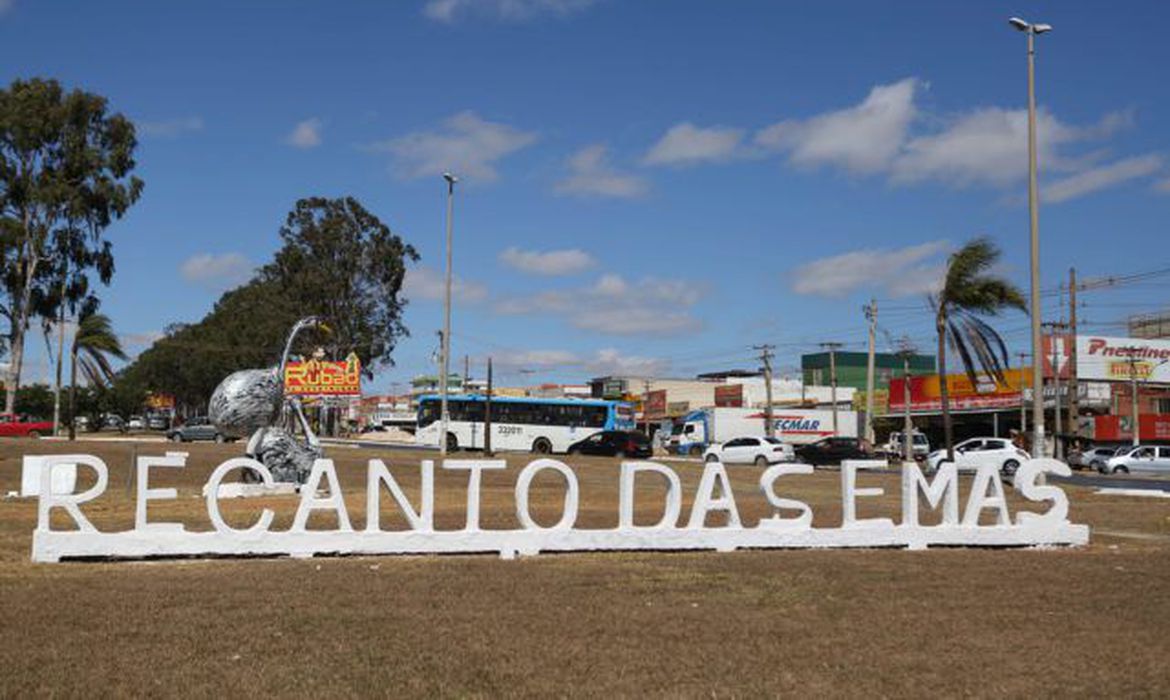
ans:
x=977 y=452
x=1143 y=458
x=760 y=451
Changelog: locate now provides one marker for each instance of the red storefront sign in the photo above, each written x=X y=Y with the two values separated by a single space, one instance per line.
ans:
x=1154 y=426
x=926 y=394
x=729 y=396
x=655 y=405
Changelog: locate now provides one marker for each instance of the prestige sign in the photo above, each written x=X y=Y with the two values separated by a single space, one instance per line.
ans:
x=788 y=526
x=1109 y=359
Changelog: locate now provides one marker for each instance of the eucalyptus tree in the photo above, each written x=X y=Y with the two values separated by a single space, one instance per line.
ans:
x=972 y=290
x=66 y=170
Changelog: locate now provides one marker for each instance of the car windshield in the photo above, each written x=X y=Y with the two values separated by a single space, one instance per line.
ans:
x=774 y=441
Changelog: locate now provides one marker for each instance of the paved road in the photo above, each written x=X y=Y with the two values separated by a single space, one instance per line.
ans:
x=1115 y=482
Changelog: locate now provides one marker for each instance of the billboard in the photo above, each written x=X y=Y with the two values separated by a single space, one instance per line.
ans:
x=324 y=378
x=729 y=396
x=1109 y=359
x=985 y=393
x=1154 y=426
x=655 y=405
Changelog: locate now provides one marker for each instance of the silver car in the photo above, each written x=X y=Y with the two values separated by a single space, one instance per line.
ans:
x=1153 y=459
x=1096 y=457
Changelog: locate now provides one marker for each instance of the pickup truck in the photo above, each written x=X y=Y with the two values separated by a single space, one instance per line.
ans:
x=14 y=425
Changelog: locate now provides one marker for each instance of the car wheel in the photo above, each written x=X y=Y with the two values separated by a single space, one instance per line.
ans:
x=177 y=437
x=711 y=458
x=1121 y=469
x=541 y=446
x=219 y=438
x=34 y=433
x=762 y=462
x=1010 y=467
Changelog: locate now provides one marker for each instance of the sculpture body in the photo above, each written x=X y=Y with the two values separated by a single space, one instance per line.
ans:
x=251 y=402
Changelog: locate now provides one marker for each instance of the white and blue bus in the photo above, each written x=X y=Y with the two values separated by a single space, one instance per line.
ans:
x=523 y=424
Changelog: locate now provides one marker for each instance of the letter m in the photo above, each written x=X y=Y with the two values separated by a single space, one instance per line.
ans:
x=943 y=491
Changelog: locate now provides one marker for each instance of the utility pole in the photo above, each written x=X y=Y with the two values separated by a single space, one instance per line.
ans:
x=487 y=413
x=905 y=351
x=1023 y=402
x=1134 y=410
x=832 y=348
x=871 y=315
x=1074 y=397
x=766 y=358
x=466 y=374
x=446 y=366
x=1033 y=29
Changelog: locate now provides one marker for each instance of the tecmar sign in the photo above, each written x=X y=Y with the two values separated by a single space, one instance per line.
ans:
x=789 y=526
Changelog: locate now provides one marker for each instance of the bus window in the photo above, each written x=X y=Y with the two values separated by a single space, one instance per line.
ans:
x=428 y=412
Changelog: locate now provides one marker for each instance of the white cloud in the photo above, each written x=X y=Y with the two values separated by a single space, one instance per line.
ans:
x=900 y=272
x=1101 y=178
x=426 y=283
x=887 y=134
x=306 y=134
x=687 y=144
x=509 y=10
x=606 y=361
x=1162 y=185
x=864 y=138
x=466 y=145
x=139 y=340
x=614 y=306
x=590 y=174
x=610 y=361
x=552 y=262
x=168 y=128
x=216 y=272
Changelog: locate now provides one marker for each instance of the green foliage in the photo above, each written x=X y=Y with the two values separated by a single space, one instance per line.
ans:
x=337 y=261
x=35 y=400
x=66 y=169
x=970 y=289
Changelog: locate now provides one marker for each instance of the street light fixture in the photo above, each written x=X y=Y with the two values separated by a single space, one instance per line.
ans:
x=446 y=364
x=1034 y=211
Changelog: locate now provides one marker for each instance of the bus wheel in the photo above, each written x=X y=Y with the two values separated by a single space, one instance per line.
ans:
x=541 y=446
x=452 y=442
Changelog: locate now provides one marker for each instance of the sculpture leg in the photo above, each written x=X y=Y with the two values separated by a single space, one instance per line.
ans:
x=253 y=447
x=310 y=436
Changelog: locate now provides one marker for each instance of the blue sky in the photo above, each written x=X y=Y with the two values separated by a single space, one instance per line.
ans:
x=648 y=186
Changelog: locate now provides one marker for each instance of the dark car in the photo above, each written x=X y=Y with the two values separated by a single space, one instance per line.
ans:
x=832 y=450
x=613 y=443
x=197 y=428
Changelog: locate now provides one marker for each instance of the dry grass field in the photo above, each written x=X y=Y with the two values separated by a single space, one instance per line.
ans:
x=1090 y=622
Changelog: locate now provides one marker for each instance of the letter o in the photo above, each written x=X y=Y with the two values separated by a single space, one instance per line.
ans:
x=213 y=494
x=524 y=481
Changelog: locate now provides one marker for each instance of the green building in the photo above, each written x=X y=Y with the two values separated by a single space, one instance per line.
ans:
x=852 y=366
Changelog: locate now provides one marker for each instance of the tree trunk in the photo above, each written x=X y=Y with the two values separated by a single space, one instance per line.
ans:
x=60 y=362
x=16 y=359
x=944 y=394
x=73 y=392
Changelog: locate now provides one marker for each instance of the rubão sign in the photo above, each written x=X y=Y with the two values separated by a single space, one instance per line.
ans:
x=788 y=526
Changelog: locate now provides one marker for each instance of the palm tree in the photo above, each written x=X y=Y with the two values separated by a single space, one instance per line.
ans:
x=971 y=290
x=94 y=344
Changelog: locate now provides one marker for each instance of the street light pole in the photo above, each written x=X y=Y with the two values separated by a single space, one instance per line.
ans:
x=446 y=364
x=1034 y=211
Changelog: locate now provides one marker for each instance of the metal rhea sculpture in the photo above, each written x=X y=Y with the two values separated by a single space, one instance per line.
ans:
x=251 y=403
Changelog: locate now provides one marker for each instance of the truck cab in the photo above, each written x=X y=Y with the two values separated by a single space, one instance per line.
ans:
x=689 y=437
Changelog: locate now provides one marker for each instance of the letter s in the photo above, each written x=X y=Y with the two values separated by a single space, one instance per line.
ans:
x=1025 y=485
